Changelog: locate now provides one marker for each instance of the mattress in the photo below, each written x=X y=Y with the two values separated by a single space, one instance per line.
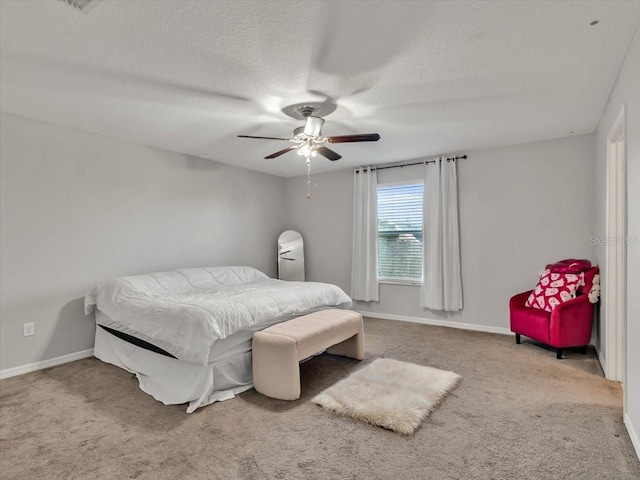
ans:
x=228 y=347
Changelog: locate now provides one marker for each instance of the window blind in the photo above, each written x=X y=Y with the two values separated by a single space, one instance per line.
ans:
x=400 y=232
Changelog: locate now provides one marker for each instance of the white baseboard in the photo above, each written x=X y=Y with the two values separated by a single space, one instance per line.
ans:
x=438 y=323
x=635 y=438
x=52 y=362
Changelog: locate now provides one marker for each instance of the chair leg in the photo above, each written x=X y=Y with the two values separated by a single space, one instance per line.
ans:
x=518 y=338
x=559 y=354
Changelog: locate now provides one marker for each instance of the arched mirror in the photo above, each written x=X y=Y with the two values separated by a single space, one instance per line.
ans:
x=291 y=256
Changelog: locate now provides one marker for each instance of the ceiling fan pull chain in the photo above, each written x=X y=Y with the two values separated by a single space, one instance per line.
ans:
x=308 y=177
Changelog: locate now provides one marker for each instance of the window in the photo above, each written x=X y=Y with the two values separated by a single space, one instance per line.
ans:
x=400 y=233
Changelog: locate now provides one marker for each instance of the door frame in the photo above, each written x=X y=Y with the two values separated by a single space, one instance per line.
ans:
x=615 y=281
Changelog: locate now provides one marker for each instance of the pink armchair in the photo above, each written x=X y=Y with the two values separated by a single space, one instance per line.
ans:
x=567 y=325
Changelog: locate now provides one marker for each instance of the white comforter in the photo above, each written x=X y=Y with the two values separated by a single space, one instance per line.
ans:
x=185 y=311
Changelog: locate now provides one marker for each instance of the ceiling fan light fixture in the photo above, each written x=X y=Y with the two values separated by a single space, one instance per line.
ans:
x=307 y=150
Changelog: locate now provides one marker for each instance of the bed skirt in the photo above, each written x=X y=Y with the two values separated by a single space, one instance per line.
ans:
x=172 y=381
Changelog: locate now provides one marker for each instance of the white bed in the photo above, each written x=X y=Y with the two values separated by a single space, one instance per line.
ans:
x=205 y=318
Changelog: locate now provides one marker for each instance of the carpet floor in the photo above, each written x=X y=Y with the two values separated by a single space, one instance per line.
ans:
x=517 y=414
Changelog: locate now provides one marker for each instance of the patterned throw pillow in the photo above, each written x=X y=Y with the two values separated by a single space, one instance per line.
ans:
x=553 y=289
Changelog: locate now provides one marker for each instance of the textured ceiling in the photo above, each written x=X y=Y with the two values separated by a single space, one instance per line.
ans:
x=430 y=77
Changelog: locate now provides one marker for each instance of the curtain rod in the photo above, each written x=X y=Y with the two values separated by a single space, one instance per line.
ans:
x=461 y=157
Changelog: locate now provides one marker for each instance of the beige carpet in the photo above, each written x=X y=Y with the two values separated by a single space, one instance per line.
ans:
x=389 y=393
x=518 y=414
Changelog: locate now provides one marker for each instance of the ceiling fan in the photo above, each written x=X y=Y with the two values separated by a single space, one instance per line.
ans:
x=309 y=140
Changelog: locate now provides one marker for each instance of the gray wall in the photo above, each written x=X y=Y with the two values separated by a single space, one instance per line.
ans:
x=78 y=208
x=520 y=207
x=626 y=92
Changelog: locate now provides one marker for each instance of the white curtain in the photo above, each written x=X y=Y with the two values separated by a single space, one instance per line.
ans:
x=364 y=264
x=441 y=280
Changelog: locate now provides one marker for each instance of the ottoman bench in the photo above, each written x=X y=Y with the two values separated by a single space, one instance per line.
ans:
x=277 y=350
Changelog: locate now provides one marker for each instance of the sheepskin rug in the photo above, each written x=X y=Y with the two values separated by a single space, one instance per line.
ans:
x=389 y=393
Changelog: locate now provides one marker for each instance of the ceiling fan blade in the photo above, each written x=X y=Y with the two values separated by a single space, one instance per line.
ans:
x=330 y=154
x=264 y=138
x=281 y=152
x=362 y=137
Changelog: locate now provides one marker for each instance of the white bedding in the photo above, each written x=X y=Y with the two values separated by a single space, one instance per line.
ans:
x=185 y=311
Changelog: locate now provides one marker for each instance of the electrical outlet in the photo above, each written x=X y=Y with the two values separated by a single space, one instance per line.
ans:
x=29 y=329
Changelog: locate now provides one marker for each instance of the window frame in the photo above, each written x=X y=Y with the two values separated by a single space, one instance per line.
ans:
x=399 y=281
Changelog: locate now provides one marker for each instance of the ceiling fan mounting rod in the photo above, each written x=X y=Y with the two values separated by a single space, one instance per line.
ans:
x=313 y=126
x=306 y=111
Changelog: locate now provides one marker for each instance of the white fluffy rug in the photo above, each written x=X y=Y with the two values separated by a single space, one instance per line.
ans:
x=389 y=393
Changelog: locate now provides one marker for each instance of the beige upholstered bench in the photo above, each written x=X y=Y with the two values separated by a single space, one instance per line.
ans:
x=277 y=350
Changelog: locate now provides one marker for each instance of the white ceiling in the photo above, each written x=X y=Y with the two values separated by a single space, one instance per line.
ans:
x=430 y=77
